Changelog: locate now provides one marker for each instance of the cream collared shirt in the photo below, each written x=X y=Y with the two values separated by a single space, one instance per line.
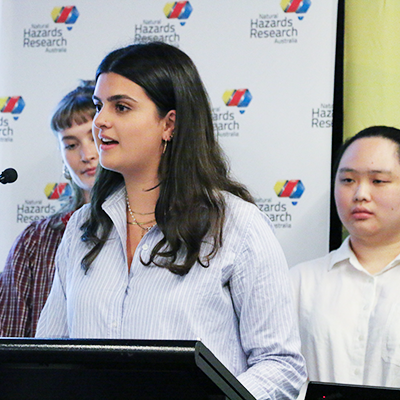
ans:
x=349 y=319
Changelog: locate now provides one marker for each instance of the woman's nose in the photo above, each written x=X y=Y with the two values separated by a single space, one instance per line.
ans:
x=362 y=192
x=101 y=120
x=89 y=152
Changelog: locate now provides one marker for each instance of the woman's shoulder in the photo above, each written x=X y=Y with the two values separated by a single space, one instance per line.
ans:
x=234 y=202
x=326 y=262
x=73 y=228
x=81 y=214
x=312 y=269
x=240 y=211
x=247 y=230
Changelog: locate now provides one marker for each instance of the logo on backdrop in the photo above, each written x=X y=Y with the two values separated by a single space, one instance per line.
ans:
x=14 y=106
x=321 y=117
x=292 y=189
x=225 y=119
x=58 y=191
x=163 y=29
x=34 y=210
x=281 y=212
x=296 y=6
x=279 y=27
x=52 y=37
x=237 y=98
x=178 y=9
x=65 y=15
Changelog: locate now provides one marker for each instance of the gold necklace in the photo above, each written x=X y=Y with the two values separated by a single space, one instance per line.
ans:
x=141 y=223
x=145 y=229
x=150 y=213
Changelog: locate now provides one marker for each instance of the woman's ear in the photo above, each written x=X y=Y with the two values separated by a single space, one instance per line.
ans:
x=169 y=127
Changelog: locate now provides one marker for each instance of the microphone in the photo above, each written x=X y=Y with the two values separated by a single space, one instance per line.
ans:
x=9 y=175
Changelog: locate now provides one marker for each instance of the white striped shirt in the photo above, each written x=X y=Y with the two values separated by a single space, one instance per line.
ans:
x=240 y=306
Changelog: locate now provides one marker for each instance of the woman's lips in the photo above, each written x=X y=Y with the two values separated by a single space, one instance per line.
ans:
x=107 y=143
x=107 y=146
x=361 y=213
x=90 y=171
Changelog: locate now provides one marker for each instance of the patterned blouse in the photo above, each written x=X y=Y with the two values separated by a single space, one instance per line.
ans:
x=27 y=277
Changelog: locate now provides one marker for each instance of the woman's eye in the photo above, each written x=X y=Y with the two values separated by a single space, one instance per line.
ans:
x=98 y=107
x=121 y=107
x=69 y=146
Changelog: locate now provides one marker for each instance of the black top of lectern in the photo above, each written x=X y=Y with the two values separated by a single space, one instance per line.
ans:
x=339 y=391
x=113 y=369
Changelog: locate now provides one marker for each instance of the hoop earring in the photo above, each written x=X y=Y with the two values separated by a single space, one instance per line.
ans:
x=66 y=173
x=166 y=142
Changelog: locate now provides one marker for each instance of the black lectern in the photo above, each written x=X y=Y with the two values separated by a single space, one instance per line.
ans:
x=333 y=391
x=98 y=369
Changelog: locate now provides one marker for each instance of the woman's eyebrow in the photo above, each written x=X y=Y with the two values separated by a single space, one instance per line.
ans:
x=116 y=97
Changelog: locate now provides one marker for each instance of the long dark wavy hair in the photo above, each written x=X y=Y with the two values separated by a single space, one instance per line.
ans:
x=74 y=108
x=192 y=172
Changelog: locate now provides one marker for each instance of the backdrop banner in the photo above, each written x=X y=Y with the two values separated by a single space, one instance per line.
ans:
x=268 y=66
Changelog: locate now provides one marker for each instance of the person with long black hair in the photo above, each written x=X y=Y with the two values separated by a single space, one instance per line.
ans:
x=171 y=247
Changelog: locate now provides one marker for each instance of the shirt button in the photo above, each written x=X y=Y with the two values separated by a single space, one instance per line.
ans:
x=357 y=371
x=145 y=246
x=361 y=338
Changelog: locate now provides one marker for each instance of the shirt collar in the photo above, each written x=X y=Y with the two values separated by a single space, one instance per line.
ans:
x=345 y=254
x=115 y=207
x=342 y=254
